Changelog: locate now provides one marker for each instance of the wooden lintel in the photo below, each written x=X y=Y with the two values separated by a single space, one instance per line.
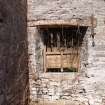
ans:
x=72 y=22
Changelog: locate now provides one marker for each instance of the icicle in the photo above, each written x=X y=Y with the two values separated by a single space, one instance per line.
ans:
x=51 y=35
x=58 y=41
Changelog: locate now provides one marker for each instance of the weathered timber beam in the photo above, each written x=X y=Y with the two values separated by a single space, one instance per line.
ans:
x=72 y=22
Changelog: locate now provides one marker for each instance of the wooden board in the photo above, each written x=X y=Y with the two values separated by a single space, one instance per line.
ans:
x=54 y=61
x=70 y=22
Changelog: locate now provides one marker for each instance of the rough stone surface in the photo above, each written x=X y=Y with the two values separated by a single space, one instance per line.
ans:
x=85 y=88
x=14 y=85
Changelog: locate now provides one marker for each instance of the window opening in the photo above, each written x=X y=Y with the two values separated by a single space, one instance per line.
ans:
x=62 y=48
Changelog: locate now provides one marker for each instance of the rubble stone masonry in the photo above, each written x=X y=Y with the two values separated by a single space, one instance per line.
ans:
x=84 y=88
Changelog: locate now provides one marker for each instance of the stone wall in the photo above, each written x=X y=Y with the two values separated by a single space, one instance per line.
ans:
x=50 y=86
x=85 y=88
x=14 y=85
